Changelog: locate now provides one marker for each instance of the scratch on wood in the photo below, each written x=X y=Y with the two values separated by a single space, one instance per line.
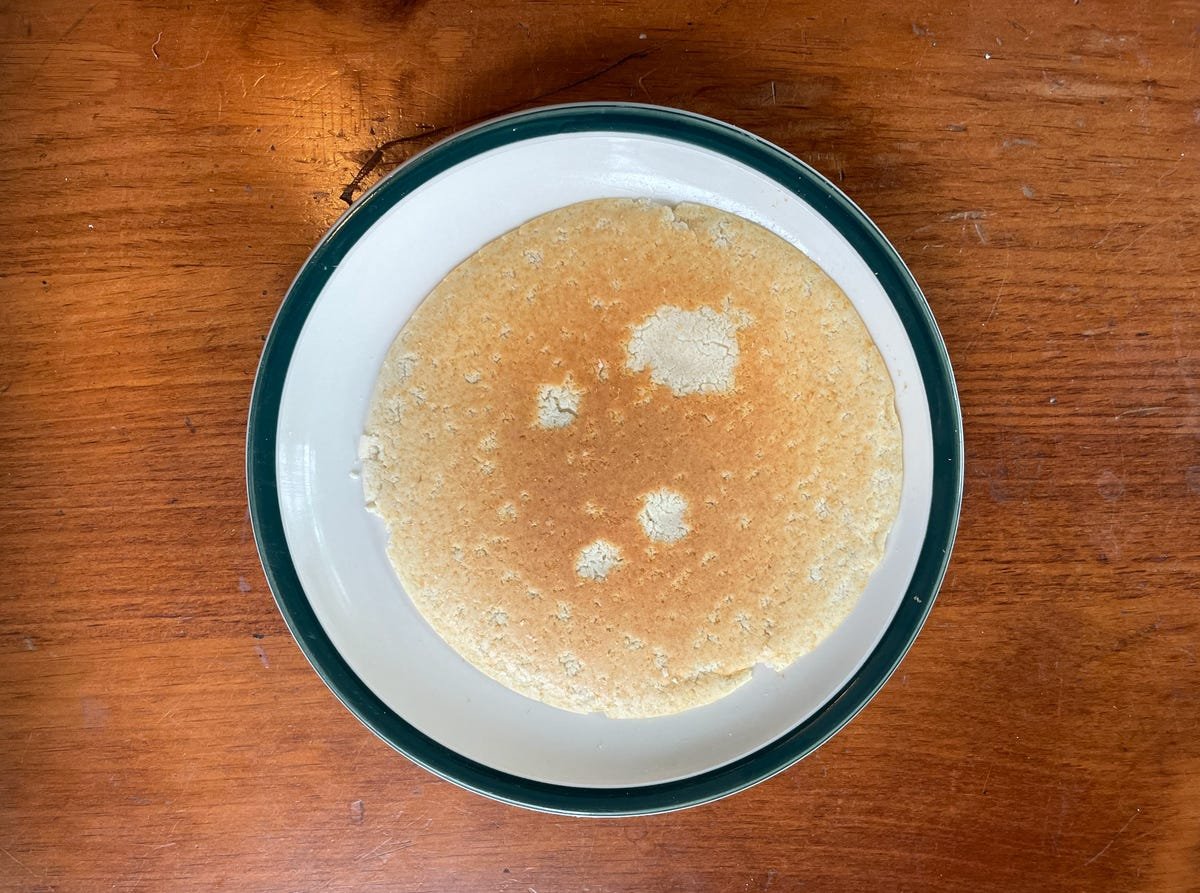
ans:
x=995 y=304
x=1146 y=230
x=65 y=35
x=375 y=851
x=1114 y=839
x=441 y=99
x=158 y=56
x=77 y=23
x=15 y=859
x=642 y=78
x=1139 y=411
x=195 y=65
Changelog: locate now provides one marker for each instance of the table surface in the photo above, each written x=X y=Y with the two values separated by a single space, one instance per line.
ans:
x=165 y=170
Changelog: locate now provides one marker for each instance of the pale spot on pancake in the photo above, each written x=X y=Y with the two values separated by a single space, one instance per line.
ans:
x=662 y=514
x=369 y=447
x=507 y=512
x=661 y=660
x=689 y=351
x=558 y=405
x=570 y=663
x=405 y=365
x=597 y=559
x=720 y=234
x=473 y=376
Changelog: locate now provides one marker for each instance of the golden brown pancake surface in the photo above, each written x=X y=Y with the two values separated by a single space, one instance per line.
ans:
x=627 y=451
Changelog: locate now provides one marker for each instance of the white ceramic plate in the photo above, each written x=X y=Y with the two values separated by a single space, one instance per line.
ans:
x=360 y=296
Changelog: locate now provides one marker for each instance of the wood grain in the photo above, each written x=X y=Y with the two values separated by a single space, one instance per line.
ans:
x=164 y=170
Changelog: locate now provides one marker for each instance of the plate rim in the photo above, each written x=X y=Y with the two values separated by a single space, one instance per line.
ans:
x=867 y=240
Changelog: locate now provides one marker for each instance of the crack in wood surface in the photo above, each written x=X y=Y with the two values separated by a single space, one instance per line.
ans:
x=377 y=156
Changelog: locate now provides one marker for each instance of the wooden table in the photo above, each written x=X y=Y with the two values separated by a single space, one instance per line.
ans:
x=165 y=170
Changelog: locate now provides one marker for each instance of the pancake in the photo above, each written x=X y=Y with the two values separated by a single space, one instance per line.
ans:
x=626 y=452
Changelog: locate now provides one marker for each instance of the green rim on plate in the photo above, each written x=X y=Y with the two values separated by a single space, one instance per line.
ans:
x=826 y=199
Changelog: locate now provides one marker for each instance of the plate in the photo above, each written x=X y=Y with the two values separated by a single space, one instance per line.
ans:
x=324 y=554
